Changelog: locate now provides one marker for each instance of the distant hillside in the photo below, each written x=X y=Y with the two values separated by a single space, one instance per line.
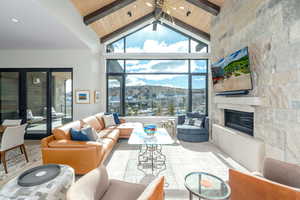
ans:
x=151 y=91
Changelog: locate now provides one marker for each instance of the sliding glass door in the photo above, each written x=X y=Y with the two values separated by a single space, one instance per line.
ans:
x=43 y=98
x=61 y=109
x=9 y=95
x=36 y=98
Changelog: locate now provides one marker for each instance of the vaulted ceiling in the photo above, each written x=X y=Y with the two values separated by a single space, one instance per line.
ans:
x=109 y=18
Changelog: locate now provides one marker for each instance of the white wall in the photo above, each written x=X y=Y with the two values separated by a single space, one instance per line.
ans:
x=88 y=71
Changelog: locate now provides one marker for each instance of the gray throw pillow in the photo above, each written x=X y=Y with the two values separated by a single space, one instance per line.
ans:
x=89 y=132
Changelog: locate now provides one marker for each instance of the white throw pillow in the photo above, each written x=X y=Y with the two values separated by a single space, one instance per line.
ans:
x=198 y=122
x=109 y=120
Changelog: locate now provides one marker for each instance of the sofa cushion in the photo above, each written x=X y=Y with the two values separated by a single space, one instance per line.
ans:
x=184 y=126
x=114 y=135
x=123 y=190
x=93 y=122
x=104 y=132
x=127 y=128
x=91 y=186
x=63 y=132
x=100 y=119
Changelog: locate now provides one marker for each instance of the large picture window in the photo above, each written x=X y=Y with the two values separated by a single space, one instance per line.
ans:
x=157 y=87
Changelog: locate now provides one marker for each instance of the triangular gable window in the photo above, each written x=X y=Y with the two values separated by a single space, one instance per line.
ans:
x=161 y=40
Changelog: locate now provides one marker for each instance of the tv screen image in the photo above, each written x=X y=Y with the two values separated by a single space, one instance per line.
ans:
x=232 y=73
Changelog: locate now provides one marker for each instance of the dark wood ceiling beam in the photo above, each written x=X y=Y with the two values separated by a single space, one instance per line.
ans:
x=106 y=10
x=188 y=27
x=128 y=27
x=206 y=5
x=158 y=8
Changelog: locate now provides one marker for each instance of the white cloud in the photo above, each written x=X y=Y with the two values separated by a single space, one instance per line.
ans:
x=170 y=66
x=162 y=47
x=134 y=81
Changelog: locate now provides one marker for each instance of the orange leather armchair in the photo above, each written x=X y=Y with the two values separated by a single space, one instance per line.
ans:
x=280 y=181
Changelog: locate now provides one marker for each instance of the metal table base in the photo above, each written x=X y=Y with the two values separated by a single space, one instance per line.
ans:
x=151 y=158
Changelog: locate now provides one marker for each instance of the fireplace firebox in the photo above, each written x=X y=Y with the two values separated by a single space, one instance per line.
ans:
x=238 y=120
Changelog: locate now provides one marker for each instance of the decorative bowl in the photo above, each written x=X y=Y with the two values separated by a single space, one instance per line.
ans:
x=150 y=129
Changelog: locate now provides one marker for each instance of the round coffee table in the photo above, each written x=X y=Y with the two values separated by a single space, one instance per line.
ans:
x=206 y=186
x=51 y=190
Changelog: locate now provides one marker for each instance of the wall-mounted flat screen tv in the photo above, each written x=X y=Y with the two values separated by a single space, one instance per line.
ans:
x=232 y=73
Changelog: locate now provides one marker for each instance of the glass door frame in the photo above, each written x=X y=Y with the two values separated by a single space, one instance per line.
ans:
x=122 y=91
x=23 y=95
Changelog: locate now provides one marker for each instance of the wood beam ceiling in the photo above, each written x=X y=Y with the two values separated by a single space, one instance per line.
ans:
x=148 y=17
x=127 y=27
x=206 y=5
x=106 y=10
x=158 y=8
x=188 y=27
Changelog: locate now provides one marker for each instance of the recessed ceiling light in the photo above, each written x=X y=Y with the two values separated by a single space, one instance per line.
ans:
x=14 y=20
x=174 y=8
x=181 y=7
x=149 y=4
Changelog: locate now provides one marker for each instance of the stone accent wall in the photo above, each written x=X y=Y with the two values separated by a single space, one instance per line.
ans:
x=271 y=30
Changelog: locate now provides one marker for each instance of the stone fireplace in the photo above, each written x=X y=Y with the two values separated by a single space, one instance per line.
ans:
x=234 y=129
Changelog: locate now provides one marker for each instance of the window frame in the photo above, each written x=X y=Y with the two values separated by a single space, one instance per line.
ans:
x=123 y=82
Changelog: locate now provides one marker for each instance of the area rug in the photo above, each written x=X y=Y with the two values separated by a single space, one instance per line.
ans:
x=134 y=175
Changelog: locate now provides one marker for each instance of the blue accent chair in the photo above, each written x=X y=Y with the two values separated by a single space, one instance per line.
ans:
x=191 y=133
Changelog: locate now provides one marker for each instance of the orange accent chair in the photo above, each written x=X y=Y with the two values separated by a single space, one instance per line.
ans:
x=279 y=181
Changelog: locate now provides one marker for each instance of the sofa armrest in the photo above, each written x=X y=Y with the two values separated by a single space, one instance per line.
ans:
x=154 y=191
x=82 y=159
x=45 y=141
x=248 y=187
x=206 y=123
x=180 y=119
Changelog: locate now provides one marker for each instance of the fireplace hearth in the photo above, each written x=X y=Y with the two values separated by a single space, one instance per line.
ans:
x=238 y=120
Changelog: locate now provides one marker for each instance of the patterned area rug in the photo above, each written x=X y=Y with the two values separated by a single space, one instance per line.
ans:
x=134 y=175
x=16 y=162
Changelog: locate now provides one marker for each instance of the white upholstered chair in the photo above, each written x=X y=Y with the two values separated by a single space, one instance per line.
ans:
x=13 y=137
x=12 y=122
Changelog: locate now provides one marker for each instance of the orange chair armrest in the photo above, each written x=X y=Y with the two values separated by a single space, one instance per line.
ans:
x=248 y=187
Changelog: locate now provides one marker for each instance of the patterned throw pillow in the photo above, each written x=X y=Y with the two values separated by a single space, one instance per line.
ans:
x=109 y=120
x=189 y=121
x=198 y=122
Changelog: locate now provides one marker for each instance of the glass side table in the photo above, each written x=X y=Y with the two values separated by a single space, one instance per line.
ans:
x=206 y=186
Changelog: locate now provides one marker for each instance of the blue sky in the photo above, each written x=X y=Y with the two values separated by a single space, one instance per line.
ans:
x=162 y=40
